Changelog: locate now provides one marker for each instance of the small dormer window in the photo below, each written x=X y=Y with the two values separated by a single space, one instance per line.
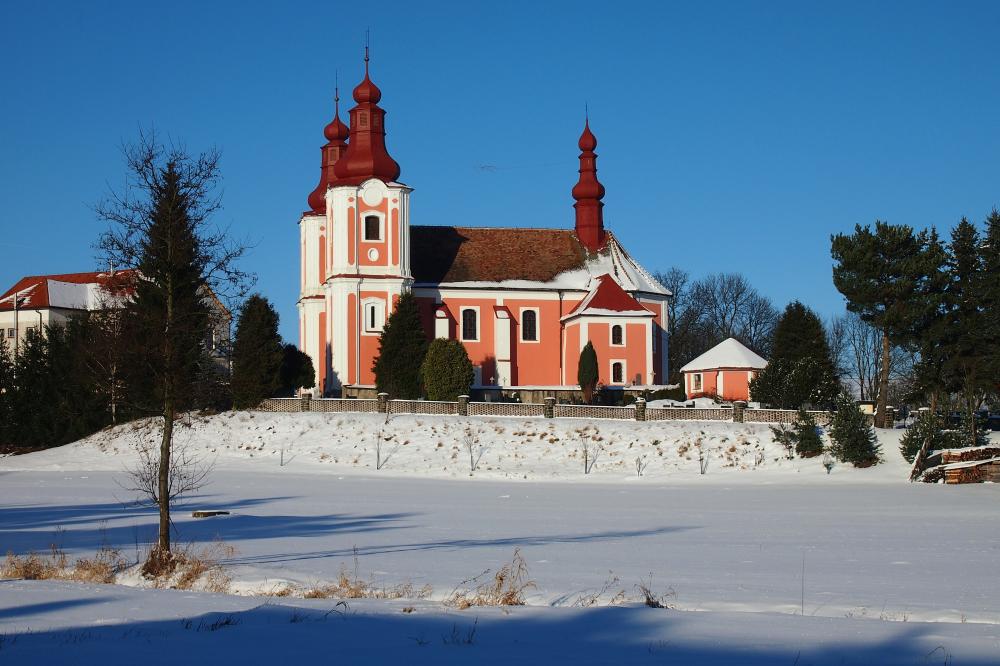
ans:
x=373 y=228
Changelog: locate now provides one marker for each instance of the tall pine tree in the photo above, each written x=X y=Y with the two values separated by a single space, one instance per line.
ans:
x=965 y=343
x=402 y=347
x=257 y=353
x=881 y=273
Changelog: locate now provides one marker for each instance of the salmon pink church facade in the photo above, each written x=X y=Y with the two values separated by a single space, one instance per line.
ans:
x=523 y=301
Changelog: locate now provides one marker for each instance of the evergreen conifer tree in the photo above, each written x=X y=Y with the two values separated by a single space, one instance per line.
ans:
x=587 y=371
x=853 y=440
x=447 y=371
x=402 y=347
x=881 y=273
x=929 y=379
x=801 y=369
x=160 y=226
x=6 y=395
x=257 y=353
x=927 y=428
x=965 y=346
x=808 y=442
x=990 y=292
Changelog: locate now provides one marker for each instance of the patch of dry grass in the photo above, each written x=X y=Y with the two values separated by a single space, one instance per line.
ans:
x=506 y=588
x=103 y=567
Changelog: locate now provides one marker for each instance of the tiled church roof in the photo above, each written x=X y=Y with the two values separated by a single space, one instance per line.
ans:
x=471 y=254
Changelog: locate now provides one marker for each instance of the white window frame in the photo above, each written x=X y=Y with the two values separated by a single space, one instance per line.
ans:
x=381 y=227
x=611 y=335
x=379 y=307
x=538 y=329
x=461 y=324
x=611 y=372
x=696 y=378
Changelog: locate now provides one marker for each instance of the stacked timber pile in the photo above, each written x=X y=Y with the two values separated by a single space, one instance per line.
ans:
x=971 y=465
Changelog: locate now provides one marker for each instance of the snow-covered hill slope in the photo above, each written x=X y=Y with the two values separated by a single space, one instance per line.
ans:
x=439 y=446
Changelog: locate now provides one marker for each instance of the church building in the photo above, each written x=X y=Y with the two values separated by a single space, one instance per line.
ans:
x=523 y=301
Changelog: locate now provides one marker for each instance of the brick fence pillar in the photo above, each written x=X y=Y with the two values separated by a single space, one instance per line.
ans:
x=306 y=402
x=383 y=403
x=463 y=405
x=738 y=408
x=550 y=408
x=640 y=409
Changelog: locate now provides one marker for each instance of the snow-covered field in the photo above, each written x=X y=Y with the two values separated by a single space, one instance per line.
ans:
x=893 y=572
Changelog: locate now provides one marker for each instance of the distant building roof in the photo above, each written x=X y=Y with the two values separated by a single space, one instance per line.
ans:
x=72 y=291
x=729 y=353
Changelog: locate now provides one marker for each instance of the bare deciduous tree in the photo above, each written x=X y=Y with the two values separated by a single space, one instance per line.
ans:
x=857 y=349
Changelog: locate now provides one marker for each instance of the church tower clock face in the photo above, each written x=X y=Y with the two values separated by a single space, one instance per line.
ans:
x=371 y=194
x=373 y=254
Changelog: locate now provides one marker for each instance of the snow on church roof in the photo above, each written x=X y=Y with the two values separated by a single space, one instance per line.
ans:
x=608 y=298
x=520 y=258
x=729 y=353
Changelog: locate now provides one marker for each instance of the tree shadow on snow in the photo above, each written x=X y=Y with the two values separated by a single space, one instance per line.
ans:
x=319 y=632
x=457 y=544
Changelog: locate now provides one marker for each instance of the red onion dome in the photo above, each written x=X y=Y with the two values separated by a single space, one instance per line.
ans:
x=336 y=130
x=587 y=141
x=366 y=91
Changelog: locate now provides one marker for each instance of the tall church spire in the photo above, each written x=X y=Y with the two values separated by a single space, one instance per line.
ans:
x=366 y=156
x=336 y=134
x=588 y=193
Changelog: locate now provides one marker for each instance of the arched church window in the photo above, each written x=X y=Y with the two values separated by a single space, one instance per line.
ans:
x=617 y=372
x=529 y=326
x=617 y=336
x=470 y=328
x=373 y=228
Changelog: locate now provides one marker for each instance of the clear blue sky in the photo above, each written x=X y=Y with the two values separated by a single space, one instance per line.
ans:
x=733 y=136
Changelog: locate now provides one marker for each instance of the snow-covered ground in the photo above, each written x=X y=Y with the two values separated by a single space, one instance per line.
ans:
x=893 y=572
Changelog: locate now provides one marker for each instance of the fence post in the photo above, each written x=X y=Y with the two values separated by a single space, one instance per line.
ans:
x=550 y=408
x=306 y=398
x=640 y=409
x=463 y=405
x=738 y=407
x=383 y=403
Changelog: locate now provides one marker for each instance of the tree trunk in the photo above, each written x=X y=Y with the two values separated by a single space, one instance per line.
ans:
x=883 y=384
x=163 y=477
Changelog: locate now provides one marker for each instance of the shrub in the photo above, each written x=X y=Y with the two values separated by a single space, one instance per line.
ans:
x=586 y=372
x=808 y=442
x=447 y=371
x=853 y=438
